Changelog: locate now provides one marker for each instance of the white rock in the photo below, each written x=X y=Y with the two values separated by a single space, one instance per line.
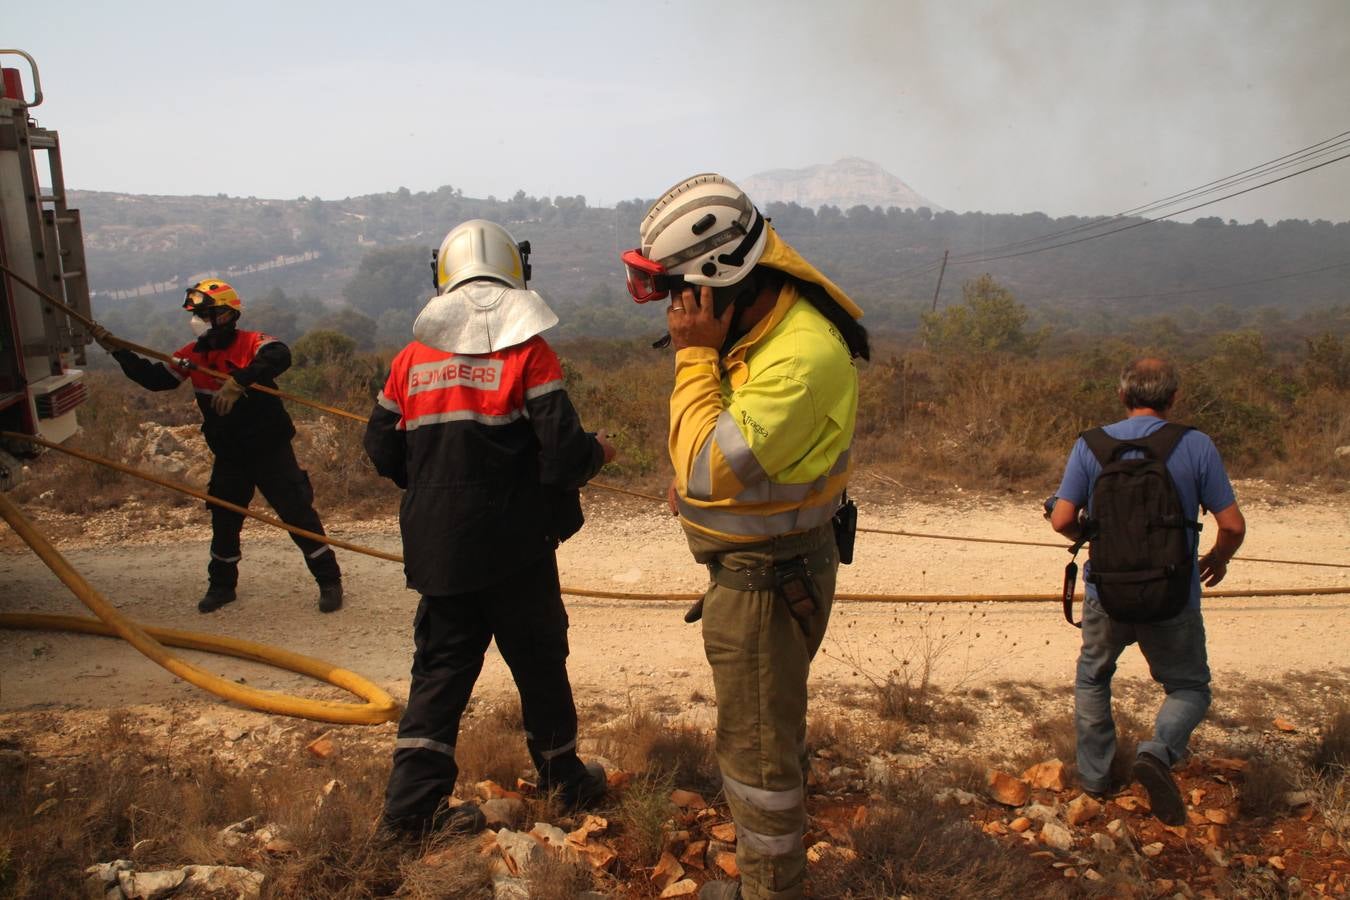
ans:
x=1056 y=836
x=244 y=884
x=150 y=885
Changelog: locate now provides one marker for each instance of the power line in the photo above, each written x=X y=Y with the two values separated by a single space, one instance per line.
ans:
x=1296 y=157
x=1215 y=287
x=1142 y=222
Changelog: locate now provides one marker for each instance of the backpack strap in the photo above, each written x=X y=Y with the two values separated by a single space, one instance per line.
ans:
x=1102 y=445
x=1162 y=442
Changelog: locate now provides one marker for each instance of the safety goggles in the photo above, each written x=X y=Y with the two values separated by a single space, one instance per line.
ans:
x=647 y=280
x=196 y=301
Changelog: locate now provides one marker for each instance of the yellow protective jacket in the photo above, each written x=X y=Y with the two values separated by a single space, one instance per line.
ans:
x=760 y=439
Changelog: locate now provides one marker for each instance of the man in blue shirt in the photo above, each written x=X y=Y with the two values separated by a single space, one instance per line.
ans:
x=1174 y=648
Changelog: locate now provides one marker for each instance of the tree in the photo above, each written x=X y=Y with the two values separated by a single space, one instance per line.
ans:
x=390 y=278
x=349 y=322
x=320 y=347
x=990 y=321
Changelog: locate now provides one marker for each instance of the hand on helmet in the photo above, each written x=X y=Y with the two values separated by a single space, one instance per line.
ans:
x=227 y=397
x=691 y=321
x=104 y=338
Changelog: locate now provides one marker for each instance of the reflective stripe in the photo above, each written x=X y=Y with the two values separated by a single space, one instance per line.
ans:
x=761 y=798
x=700 y=477
x=540 y=390
x=559 y=751
x=769 y=844
x=737 y=452
x=225 y=559
x=320 y=552
x=728 y=520
x=385 y=403
x=463 y=415
x=424 y=744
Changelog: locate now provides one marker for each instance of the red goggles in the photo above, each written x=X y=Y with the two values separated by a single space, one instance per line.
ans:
x=647 y=280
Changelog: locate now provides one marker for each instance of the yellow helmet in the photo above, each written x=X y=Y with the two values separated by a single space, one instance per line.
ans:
x=212 y=293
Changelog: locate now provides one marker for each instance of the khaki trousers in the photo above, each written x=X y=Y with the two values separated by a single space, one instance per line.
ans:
x=760 y=657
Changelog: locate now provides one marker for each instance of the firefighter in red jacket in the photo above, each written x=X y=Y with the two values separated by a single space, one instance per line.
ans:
x=249 y=433
x=475 y=426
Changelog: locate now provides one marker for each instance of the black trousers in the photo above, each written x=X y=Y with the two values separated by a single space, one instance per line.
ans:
x=525 y=613
x=275 y=472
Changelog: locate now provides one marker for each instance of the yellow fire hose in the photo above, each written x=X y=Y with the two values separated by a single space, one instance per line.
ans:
x=379 y=706
x=169 y=360
x=630 y=595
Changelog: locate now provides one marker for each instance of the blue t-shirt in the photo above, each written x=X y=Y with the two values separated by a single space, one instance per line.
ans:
x=1194 y=465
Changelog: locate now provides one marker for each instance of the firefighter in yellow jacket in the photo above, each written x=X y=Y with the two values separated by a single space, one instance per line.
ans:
x=761 y=419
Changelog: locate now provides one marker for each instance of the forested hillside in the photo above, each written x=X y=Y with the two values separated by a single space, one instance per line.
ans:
x=365 y=260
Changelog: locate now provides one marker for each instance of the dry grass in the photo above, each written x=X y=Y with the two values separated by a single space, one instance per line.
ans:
x=553 y=877
x=122 y=801
x=491 y=746
x=1265 y=781
x=640 y=740
x=643 y=813
x=1333 y=748
x=914 y=846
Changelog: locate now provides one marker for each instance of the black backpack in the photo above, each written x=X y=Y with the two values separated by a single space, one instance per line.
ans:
x=1142 y=545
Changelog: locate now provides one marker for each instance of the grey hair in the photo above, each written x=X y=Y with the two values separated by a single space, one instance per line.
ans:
x=1149 y=383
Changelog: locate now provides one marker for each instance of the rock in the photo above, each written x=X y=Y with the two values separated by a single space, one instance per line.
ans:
x=327 y=794
x=877 y=770
x=1056 y=836
x=322 y=747
x=666 y=872
x=1342 y=452
x=232 y=733
x=947 y=795
x=1276 y=862
x=1153 y=849
x=503 y=812
x=1081 y=808
x=235 y=881
x=727 y=863
x=1041 y=813
x=687 y=800
x=843 y=854
x=1215 y=855
x=239 y=833
x=550 y=836
x=1219 y=816
x=995 y=828
x=693 y=854
x=491 y=790
x=1130 y=803
x=1103 y=843
x=103 y=876
x=599 y=856
x=1048 y=775
x=591 y=824
x=1005 y=789
x=519 y=850
x=684 y=888
x=1295 y=799
x=1019 y=824
x=280 y=847
x=1283 y=724
x=725 y=832
x=150 y=885
x=1092 y=875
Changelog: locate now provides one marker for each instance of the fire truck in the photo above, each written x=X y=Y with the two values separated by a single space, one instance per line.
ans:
x=41 y=349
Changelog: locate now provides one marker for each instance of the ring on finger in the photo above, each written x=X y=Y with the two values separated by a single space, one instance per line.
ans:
x=676 y=308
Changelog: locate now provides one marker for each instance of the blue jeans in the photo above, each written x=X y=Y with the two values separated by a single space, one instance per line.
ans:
x=1175 y=651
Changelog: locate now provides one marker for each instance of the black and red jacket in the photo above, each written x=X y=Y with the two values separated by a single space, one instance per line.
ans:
x=250 y=357
x=491 y=453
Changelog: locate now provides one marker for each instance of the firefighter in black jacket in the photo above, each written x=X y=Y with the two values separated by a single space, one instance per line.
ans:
x=248 y=432
x=475 y=425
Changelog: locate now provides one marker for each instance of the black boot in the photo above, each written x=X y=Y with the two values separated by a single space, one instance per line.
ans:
x=214 y=598
x=586 y=791
x=330 y=596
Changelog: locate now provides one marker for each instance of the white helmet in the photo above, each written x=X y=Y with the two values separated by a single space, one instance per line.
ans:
x=480 y=249
x=704 y=230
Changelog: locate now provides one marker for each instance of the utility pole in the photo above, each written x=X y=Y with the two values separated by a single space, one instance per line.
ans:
x=941 y=272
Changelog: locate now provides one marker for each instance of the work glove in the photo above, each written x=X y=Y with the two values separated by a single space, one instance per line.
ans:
x=225 y=398
x=103 y=337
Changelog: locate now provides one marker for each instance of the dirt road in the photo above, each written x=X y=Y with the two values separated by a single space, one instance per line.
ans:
x=637 y=648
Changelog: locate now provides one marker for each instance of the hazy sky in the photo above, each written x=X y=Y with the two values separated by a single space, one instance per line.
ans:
x=1064 y=107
